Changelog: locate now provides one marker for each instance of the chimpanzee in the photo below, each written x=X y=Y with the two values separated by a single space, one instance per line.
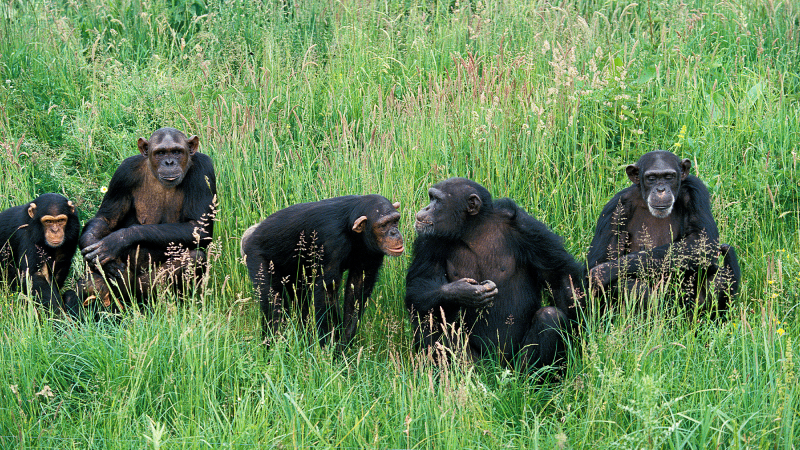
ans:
x=297 y=256
x=154 y=222
x=659 y=227
x=37 y=241
x=481 y=266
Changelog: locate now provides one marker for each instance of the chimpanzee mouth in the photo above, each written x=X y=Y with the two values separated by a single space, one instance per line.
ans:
x=397 y=251
x=660 y=211
x=423 y=227
x=170 y=180
x=55 y=242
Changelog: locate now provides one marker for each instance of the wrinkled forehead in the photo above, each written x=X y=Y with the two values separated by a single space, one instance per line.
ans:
x=383 y=209
x=168 y=139
x=386 y=215
x=452 y=186
x=659 y=162
x=53 y=210
x=436 y=192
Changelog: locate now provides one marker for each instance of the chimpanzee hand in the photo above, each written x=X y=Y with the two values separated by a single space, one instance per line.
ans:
x=105 y=249
x=604 y=274
x=469 y=292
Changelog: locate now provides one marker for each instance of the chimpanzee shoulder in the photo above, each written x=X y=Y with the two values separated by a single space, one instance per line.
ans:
x=200 y=185
x=534 y=242
x=694 y=201
x=128 y=175
x=614 y=217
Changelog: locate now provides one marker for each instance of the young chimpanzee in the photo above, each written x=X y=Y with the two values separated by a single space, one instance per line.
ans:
x=154 y=222
x=481 y=267
x=37 y=242
x=297 y=256
x=659 y=227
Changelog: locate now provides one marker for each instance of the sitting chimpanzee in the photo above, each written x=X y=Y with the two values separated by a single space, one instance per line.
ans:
x=659 y=227
x=479 y=270
x=37 y=242
x=297 y=256
x=154 y=222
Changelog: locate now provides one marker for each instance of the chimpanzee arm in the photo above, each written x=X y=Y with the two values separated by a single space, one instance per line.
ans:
x=36 y=269
x=611 y=234
x=63 y=262
x=46 y=292
x=360 y=283
x=692 y=253
x=543 y=253
x=427 y=286
x=190 y=234
x=116 y=204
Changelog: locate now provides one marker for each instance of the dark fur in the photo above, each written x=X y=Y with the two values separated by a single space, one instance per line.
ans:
x=23 y=249
x=496 y=245
x=691 y=253
x=140 y=218
x=297 y=256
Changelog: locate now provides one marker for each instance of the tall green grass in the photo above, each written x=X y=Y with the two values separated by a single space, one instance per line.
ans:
x=544 y=102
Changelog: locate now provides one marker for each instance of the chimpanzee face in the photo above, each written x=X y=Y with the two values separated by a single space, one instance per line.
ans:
x=52 y=214
x=381 y=226
x=432 y=214
x=452 y=201
x=169 y=153
x=658 y=175
x=387 y=234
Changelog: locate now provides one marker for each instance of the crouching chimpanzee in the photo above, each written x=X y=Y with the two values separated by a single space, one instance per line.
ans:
x=296 y=258
x=662 y=227
x=479 y=270
x=154 y=222
x=37 y=242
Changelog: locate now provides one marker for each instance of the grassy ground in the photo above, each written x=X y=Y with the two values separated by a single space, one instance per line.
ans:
x=543 y=102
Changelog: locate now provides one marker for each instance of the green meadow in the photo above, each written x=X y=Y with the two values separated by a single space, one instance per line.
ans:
x=541 y=101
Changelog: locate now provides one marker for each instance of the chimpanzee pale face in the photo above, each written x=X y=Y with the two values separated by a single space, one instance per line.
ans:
x=169 y=153
x=659 y=175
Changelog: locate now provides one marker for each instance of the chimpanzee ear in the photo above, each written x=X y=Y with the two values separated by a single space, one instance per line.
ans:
x=360 y=224
x=474 y=204
x=32 y=210
x=144 y=146
x=633 y=173
x=194 y=144
x=686 y=166
x=396 y=205
x=71 y=206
